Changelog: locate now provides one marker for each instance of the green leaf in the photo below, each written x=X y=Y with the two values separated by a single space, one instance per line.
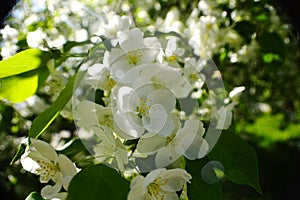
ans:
x=34 y=196
x=198 y=189
x=98 y=182
x=73 y=149
x=239 y=160
x=245 y=28
x=24 y=61
x=70 y=44
x=17 y=88
x=270 y=57
x=271 y=42
x=19 y=153
x=106 y=42
x=43 y=120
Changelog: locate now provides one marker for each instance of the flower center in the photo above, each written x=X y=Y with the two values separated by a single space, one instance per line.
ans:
x=47 y=171
x=134 y=57
x=172 y=58
x=143 y=108
x=154 y=189
x=169 y=139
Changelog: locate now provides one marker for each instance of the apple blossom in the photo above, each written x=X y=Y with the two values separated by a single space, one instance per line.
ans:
x=41 y=159
x=187 y=141
x=159 y=184
x=110 y=149
x=144 y=109
x=134 y=50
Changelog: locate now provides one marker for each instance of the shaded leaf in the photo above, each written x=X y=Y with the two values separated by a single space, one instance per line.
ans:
x=271 y=42
x=20 y=152
x=70 y=44
x=34 y=196
x=198 y=189
x=238 y=158
x=43 y=120
x=74 y=148
x=101 y=182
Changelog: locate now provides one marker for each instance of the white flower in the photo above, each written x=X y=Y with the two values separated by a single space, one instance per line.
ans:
x=160 y=184
x=191 y=71
x=225 y=116
x=235 y=92
x=110 y=149
x=135 y=50
x=35 y=38
x=187 y=141
x=144 y=108
x=99 y=77
x=115 y=25
x=172 y=52
x=88 y=114
x=42 y=159
x=161 y=76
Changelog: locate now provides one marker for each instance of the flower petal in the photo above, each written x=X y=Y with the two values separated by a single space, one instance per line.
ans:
x=198 y=149
x=168 y=127
x=67 y=168
x=150 y=143
x=137 y=191
x=152 y=176
x=131 y=39
x=225 y=116
x=127 y=99
x=163 y=97
x=185 y=136
x=170 y=196
x=127 y=126
x=86 y=115
x=156 y=119
x=49 y=191
x=166 y=156
x=30 y=164
x=45 y=149
x=176 y=179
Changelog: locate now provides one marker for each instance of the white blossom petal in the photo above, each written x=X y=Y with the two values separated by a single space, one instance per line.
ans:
x=136 y=192
x=163 y=97
x=127 y=99
x=131 y=39
x=150 y=143
x=45 y=149
x=166 y=156
x=225 y=116
x=29 y=164
x=67 y=168
x=49 y=191
x=127 y=126
x=185 y=136
x=168 y=128
x=156 y=120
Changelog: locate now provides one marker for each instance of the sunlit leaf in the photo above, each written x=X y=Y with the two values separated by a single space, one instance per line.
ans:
x=24 y=61
x=17 y=88
x=101 y=182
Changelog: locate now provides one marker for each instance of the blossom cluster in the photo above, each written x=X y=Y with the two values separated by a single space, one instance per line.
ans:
x=141 y=84
x=148 y=117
